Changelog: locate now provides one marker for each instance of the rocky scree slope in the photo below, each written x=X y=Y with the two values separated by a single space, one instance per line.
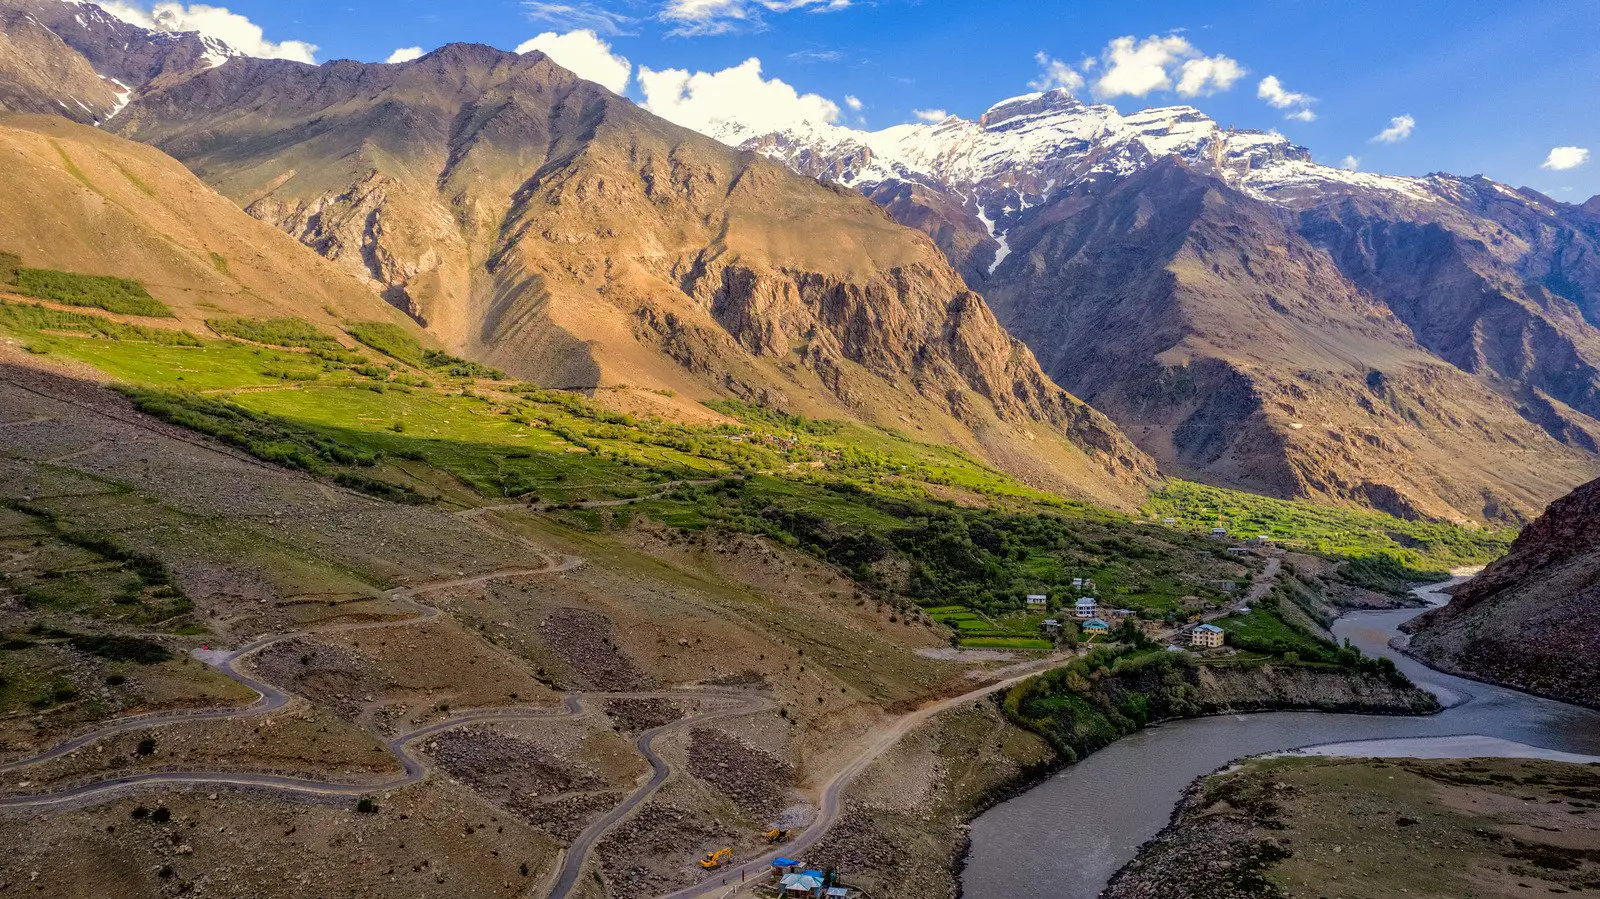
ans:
x=547 y=226
x=1532 y=619
x=1459 y=273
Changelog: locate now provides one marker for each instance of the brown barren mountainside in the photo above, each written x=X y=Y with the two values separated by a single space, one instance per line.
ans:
x=544 y=224
x=1272 y=288
x=1234 y=351
x=1532 y=619
x=75 y=198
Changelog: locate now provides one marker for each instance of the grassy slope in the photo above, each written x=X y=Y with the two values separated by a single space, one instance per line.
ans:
x=917 y=524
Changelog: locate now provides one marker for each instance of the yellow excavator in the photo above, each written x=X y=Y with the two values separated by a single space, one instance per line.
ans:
x=714 y=860
x=776 y=835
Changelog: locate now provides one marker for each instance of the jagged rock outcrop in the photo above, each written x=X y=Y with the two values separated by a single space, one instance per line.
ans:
x=1532 y=619
x=556 y=230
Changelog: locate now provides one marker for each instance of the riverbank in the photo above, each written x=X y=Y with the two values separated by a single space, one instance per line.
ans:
x=1143 y=776
x=1359 y=827
x=908 y=816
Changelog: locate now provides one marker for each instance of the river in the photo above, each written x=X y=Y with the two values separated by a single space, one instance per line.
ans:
x=1066 y=837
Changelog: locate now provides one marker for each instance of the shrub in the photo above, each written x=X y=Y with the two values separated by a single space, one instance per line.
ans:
x=147 y=746
x=119 y=295
x=122 y=649
x=285 y=332
x=34 y=317
x=10 y=265
x=366 y=806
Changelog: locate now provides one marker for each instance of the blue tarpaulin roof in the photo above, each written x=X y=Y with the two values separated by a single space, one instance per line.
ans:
x=784 y=863
x=816 y=874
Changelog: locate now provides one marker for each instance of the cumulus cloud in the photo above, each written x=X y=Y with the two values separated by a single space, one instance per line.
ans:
x=853 y=102
x=1279 y=97
x=1130 y=67
x=701 y=17
x=216 y=22
x=1563 y=158
x=1350 y=163
x=579 y=16
x=931 y=116
x=1054 y=74
x=404 y=54
x=1400 y=128
x=584 y=54
x=732 y=104
x=1208 y=75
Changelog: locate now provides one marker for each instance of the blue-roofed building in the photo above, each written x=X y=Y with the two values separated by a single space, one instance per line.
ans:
x=1208 y=635
x=1096 y=626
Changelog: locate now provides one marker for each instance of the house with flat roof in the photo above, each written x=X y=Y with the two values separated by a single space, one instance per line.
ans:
x=1038 y=601
x=1207 y=635
x=1087 y=607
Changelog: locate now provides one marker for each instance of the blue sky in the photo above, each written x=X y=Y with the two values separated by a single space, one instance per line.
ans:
x=1492 y=87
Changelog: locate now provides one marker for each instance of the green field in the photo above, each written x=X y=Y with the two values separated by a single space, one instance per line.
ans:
x=1387 y=551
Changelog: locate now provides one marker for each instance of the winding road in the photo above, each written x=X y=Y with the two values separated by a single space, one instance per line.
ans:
x=715 y=704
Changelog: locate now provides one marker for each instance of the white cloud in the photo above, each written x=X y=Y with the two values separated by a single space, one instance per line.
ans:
x=1351 y=163
x=731 y=104
x=1208 y=75
x=578 y=16
x=217 y=22
x=404 y=54
x=931 y=116
x=1400 y=128
x=1053 y=74
x=1563 y=158
x=1133 y=68
x=584 y=54
x=700 y=17
x=1136 y=68
x=1279 y=97
x=853 y=102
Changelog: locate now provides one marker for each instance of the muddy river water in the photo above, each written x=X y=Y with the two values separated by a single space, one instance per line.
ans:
x=1065 y=838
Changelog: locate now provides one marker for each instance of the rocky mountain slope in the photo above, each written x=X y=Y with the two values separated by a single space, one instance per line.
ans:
x=39 y=73
x=543 y=224
x=75 y=198
x=1532 y=619
x=1468 y=306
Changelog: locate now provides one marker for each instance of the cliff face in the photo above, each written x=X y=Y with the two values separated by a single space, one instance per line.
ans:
x=1532 y=619
x=554 y=229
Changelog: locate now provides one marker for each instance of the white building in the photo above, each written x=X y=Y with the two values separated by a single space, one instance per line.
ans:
x=1086 y=608
x=1038 y=601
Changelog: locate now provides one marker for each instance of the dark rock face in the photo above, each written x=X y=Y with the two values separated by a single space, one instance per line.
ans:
x=1532 y=619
